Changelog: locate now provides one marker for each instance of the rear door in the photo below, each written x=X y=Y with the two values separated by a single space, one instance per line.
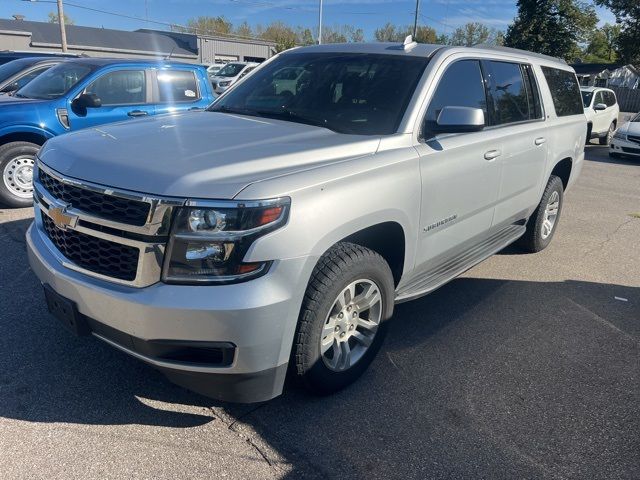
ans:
x=124 y=93
x=516 y=116
x=601 y=117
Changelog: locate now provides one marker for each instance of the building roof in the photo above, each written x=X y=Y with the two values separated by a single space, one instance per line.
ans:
x=594 y=68
x=86 y=38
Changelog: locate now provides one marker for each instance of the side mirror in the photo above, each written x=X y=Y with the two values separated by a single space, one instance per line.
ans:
x=459 y=120
x=87 y=100
x=600 y=106
x=12 y=87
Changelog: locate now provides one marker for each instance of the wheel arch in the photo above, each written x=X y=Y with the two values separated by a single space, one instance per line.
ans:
x=562 y=169
x=27 y=135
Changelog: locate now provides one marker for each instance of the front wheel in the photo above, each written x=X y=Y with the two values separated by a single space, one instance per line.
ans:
x=606 y=140
x=342 y=320
x=543 y=222
x=16 y=164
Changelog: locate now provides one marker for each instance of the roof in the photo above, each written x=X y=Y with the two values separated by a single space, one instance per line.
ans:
x=79 y=38
x=593 y=68
x=103 y=61
x=418 y=50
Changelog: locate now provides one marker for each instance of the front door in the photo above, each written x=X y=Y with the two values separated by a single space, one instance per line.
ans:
x=460 y=172
x=124 y=95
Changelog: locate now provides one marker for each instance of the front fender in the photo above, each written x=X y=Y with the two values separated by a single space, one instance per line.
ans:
x=30 y=129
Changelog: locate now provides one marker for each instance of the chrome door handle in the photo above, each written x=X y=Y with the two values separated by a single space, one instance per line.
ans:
x=540 y=140
x=492 y=154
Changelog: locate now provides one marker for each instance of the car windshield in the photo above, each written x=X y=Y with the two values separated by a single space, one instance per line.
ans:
x=230 y=70
x=8 y=70
x=55 y=82
x=586 y=98
x=355 y=93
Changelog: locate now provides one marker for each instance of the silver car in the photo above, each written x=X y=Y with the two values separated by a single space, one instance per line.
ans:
x=275 y=232
x=230 y=74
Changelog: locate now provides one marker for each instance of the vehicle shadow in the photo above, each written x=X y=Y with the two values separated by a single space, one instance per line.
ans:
x=600 y=154
x=481 y=379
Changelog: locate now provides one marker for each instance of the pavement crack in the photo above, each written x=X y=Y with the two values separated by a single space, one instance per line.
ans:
x=609 y=237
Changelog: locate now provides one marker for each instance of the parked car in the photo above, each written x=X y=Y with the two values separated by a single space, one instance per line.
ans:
x=214 y=68
x=83 y=93
x=16 y=74
x=626 y=141
x=230 y=74
x=276 y=232
x=10 y=55
x=602 y=110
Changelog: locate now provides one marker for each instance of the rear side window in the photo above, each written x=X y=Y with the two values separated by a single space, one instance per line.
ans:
x=177 y=86
x=460 y=86
x=565 y=91
x=508 y=93
x=610 y=99
x=122 y=87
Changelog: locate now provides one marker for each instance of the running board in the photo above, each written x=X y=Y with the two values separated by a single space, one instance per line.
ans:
x=451 y=268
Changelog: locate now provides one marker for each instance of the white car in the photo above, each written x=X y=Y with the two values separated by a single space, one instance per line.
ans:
x=230 y=74
x=602 y=110
x=214 y=68
x=626 y=140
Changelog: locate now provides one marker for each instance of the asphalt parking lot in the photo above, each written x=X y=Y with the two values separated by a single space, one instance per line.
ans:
x=526 y=367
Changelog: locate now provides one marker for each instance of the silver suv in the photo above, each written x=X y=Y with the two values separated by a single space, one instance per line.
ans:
x=274 y=232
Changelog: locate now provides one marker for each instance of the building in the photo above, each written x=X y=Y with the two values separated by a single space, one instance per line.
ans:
x=26 y=35
x=607 y=75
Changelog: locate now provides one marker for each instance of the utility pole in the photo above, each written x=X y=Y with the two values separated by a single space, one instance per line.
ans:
x=320 y=24
x=415 y=20
x=63 y=32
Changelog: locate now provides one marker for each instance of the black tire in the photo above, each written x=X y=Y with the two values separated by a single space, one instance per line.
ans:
x=606 y=140
x=8 y=153
x=533 y=240
x=337 y=268
x=588 y=140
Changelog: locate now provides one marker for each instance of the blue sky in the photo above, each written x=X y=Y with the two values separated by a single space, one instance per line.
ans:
x=443 y=15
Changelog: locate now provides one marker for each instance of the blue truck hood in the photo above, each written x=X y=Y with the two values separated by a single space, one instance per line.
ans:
x=197 y=154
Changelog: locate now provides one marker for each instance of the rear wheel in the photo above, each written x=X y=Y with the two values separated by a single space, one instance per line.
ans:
x=17 y=160
x=342 y=320
x=606 y=140
x=543 y=222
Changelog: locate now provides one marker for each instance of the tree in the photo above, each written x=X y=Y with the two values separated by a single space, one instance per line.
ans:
x=342 y=34
x=209 y=26
x=244 y=30
x=602 y=44
x=281 y=34
x=627 y=14
x=388 y=33
x=305 y=36
x=53 y=18
x=552 y=27
x=471 y=34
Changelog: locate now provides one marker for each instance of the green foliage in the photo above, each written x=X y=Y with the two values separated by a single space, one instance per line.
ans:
x=552 y=27
x=602 y=45
x=627 y=14
x=244 y=30
x=53 y=18
x=210 y=26
x=475 y=33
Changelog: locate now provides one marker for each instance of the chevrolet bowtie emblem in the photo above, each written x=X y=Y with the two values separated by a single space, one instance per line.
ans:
x=61 y=218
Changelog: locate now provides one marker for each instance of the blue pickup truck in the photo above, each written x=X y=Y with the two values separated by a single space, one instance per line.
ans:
x=83 y=93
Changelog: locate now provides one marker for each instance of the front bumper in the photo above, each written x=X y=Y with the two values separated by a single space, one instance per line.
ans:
x=624 y=147
x=257 y=318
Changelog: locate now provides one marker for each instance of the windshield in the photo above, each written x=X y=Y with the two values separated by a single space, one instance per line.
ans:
x=586 y=98
x=230 y=70
x=55 y=82
x=362 y=94
x=8 y=70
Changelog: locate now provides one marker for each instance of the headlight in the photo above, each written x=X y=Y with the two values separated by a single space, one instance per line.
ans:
x=210 y=239
x=224 y=84
x=620 y=136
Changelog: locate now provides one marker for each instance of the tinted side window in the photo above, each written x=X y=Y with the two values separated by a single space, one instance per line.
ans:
x=460 y=86
x=533 y=94
x=177 y=86
x=31 y=75
x=123 y=87
x=610 y=99
x=564 y=91
x=508 y=93
x=599 y=98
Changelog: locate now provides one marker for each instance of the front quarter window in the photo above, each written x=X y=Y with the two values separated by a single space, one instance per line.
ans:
x=353 y=93
x=55 y=82
x=586 y=98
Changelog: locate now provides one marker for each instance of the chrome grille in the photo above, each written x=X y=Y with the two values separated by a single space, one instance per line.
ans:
x=115 y=235
x=94 y=254
x=132 y=212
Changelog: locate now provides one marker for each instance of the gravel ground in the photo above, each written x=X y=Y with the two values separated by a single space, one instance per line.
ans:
x=528 y=366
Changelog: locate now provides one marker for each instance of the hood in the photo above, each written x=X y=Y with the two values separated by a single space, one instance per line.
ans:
x=198 y=154
x=630 y=128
